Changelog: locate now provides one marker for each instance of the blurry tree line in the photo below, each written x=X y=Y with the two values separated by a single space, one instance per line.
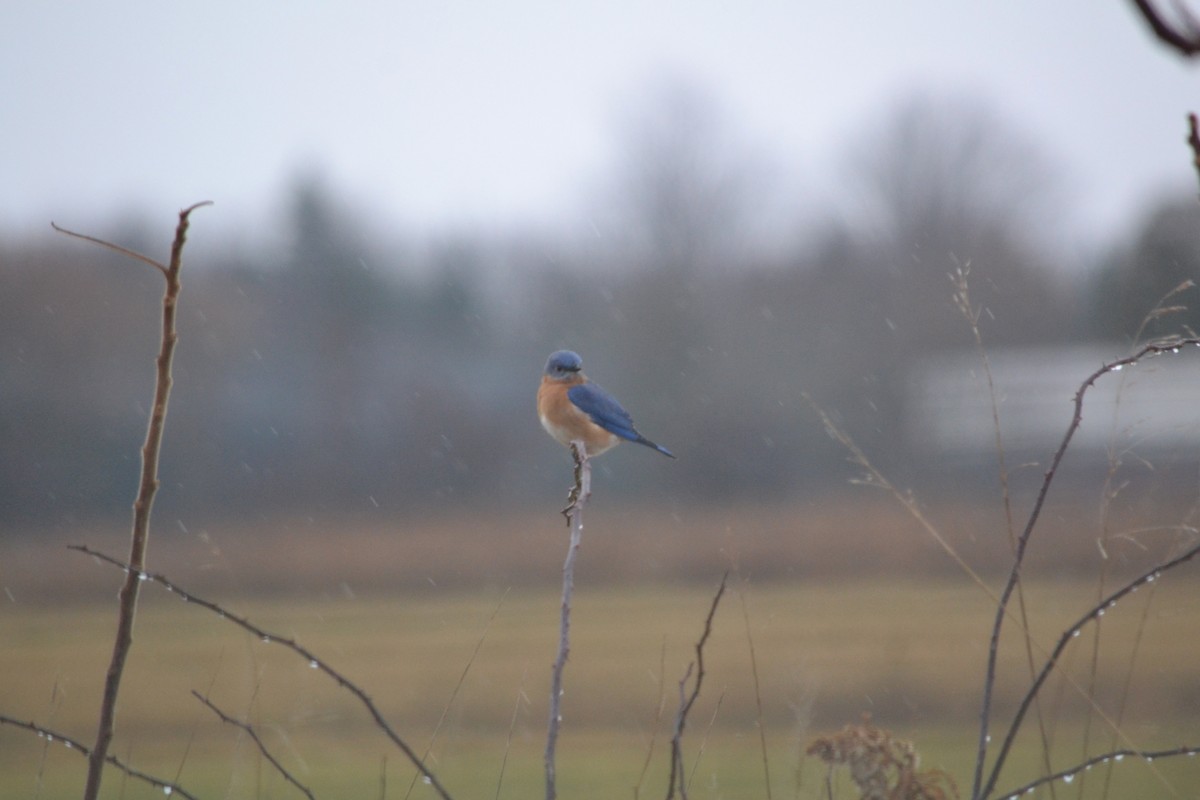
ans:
x=338 y=371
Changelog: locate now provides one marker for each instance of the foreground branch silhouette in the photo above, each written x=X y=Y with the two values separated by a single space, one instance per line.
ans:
x=147 y=488
x=1193 y=140
x=1182 y=38
x=1169 y=345
x=248 y=729
x=1093 y=614
x=165 y=786
x=268 y=637
x=1103 y=758
x=982 y=790
x=580 y=492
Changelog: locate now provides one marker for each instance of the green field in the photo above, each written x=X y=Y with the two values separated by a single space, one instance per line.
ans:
x=909 y=651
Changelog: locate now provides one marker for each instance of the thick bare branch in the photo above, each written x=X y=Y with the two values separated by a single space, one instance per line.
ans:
x=1186 y=43
x=147 y=487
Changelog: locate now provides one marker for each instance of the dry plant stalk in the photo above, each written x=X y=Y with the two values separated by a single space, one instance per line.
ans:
x=580 y=492
x=971 y=313
x=147 y=488
x=882 y=766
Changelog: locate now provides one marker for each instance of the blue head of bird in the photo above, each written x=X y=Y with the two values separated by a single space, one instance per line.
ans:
x=563 y=364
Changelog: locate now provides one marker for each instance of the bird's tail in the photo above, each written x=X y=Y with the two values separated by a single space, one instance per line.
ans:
x=643 y=440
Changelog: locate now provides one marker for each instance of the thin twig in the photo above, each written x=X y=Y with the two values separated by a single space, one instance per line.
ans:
x=56 y=696
x=212 y=682
x=762 y=733
x=676 y=745
x=1095 y=613
x=1134 y=650
x=512 y=726
x=148 y=486
x=267 y=637
x=262 y=748
x=580 y=492
x=1110 y=491
x=116 y=248
x=662 y=704
x=52 y=737
x=1105 y=758
x=1171 y=345
x=712 y=721
x=686 y=703
x=457 y=687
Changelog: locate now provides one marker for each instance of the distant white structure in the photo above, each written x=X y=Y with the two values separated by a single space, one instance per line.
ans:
x=1153 y=406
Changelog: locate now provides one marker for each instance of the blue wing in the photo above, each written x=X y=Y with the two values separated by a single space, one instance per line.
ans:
x=607 y=412
x=603 y=409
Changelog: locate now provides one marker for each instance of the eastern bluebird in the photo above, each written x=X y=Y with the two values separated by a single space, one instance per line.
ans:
x=573 y=409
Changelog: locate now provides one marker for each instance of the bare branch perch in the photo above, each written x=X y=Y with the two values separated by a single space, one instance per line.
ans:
x=267 y=637
x=578 y=497
x=685 y=705
x=146 y=490
x=166 y=787
x=262 y=748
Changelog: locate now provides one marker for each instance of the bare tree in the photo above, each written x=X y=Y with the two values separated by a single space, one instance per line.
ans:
x=689 y=193
x=950 y=168
x=947 y=183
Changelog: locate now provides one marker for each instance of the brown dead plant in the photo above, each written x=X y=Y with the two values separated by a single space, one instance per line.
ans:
x=881 y=766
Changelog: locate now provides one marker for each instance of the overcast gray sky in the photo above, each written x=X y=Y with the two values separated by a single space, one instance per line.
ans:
x=445 y=113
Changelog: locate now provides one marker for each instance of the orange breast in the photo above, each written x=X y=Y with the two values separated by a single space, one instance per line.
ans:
x=566 y=423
